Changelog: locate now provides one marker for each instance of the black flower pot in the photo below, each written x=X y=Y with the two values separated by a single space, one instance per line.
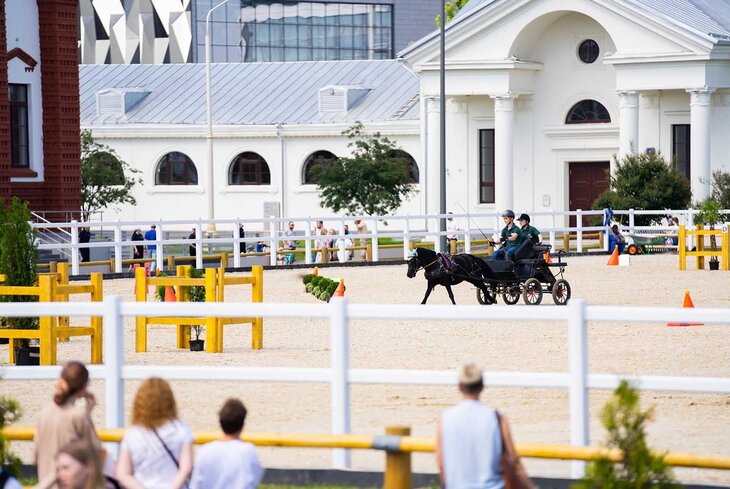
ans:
x=714 y=265
x=197 y=345
x=28 y=355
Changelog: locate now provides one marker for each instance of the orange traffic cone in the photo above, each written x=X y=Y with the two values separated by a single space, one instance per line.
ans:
x=316 y=271
x=340 y=291
x=546 y=256
x=613 y=261
x=170 y=294
x=686 y=303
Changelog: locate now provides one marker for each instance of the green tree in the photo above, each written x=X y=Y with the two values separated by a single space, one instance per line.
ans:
x=106 y=179
x=721 y=188
x=640 y=468
x=452 y=8
x=18 y=256
x=10 y=413
x=373 y=181
x=645 y=182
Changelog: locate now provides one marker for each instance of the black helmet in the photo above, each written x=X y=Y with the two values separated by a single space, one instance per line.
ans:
x=508 y=213
x=524 y=217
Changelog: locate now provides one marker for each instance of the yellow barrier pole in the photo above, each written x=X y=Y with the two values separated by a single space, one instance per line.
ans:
x=63 y=321
x=211 y=323
x=397 y=464
x=452 y=247
x=140 y=292
x=220 y=296
x=224 y=260
x=257 y=295
x=183 y=295
x=369 y=252
x=97 y=295
x=682 y=248
x=726 y=250
x=700 y=248
x=48 y=337
x=171 y=262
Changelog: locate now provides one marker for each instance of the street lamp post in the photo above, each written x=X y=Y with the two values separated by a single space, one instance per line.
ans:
x=442 y=162
x=210 y=190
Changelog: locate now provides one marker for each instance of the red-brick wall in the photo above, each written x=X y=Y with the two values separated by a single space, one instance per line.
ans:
x=4 y=111
x=60 y=190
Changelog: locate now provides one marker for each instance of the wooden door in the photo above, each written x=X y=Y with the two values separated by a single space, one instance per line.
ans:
x=586 y=181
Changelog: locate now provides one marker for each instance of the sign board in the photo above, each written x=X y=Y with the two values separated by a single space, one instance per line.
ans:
x=272 y=210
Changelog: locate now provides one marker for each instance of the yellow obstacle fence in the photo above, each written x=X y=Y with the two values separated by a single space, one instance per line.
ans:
x=54 y=287
x=701 y=250
x=214 y=282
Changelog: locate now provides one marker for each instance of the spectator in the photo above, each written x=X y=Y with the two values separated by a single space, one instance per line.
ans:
x=451 y=228
x=230 y=462
x=673 y=223
x=469 y=442
x=138 y=249
x=192 y=249
x=287 y=258
x=241 y=234
x=7 y=481
x=61 y=422
x=321 y=243
x=157 y=450
x=151 y=235
x=510 y=237
x=319 y=225
x=331 y=242
x=343 y=255
x=362 y=229
x=616 y=239
x=85 y=237
x=78 y=466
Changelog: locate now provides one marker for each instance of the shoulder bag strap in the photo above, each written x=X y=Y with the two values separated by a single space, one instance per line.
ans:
x=169 y=452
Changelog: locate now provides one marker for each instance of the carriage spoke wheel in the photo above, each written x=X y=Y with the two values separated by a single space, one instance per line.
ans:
x=561 y=292
x=483 y=300
x=511 y=294
x=532 y=292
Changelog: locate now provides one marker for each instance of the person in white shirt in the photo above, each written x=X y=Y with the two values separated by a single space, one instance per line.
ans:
x=157 y=450
x=228 y=463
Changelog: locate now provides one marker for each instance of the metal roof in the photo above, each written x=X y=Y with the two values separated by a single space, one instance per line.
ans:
x=251 y=93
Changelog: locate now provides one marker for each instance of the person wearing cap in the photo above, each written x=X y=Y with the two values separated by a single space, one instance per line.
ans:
x=151 y=235
x=510 y=237
x=468 y=438
x=138 y=249
x=528 y=231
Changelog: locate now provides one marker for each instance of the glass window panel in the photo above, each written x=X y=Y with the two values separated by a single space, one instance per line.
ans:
x=305 y=12
x=277 y=54
x=346 y=40
x=290 y=14
x=318 y=13
x=305 y=36
x=332 y=14
x=219 y=54
x=318 y=36
x=192 y=175
x=261 y=35
x=218 y=32
x=234 y=54
x=333 y=39
x=361 y=38
x=276 y=37
x=332 y=54
x=360 y=54
x=290 y=54
x=360 y=19
x=305 y=54
x=276 y=11
x=319 y=54
x=248 y=14
x=290 y=36
x=233 y=33
x=178 y=173
x=346 y=54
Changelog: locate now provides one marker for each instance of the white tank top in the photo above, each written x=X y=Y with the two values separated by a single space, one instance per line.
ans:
x=471 y=446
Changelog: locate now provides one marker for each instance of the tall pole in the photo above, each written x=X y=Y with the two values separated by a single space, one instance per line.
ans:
x=442 y=100
x=210 y=186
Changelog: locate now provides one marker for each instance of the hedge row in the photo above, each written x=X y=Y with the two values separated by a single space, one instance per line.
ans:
x=322 y=288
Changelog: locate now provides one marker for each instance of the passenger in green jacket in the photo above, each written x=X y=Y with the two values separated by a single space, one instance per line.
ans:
x=527 y=231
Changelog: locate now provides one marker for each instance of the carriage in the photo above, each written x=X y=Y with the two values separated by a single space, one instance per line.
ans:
x=529 y=278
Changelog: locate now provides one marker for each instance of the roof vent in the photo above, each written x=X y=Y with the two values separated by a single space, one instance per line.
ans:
x=118 y=101
x=340 y=98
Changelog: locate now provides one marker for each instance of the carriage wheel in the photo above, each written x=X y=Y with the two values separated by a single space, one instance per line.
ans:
x=561 y=292
x=633 y=249
x=511 y=294
x=532 y=292
x=492 y=295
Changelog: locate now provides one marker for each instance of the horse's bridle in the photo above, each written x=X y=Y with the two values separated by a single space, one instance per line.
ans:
x=427 y=265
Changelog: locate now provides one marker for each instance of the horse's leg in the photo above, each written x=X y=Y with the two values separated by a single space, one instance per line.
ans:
x=485 y=291
x=451 y=293
x=429 y=289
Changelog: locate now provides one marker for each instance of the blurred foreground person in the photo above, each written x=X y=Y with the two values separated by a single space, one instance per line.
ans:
x=78 y=466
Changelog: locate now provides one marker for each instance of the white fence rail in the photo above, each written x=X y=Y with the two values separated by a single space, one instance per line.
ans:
x=340 y=376
x=401 y=228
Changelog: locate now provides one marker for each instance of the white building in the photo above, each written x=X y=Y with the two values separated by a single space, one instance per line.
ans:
x=541 y=94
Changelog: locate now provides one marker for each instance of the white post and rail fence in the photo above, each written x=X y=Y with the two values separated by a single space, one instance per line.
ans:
x=340 y=376
x=473 y=231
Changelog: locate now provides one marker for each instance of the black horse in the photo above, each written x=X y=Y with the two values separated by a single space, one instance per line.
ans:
x=462 y=268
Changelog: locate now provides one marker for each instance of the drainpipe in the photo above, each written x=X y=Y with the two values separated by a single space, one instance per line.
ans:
x=282 y=175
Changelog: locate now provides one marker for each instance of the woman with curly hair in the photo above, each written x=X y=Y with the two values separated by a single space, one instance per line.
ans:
x=157 y=450
x=63 y=421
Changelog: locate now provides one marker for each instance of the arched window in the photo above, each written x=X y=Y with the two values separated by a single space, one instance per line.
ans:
x=410 y=162
x=587 y=112
x=176 y=169
x=322 y=159
x=249 y=169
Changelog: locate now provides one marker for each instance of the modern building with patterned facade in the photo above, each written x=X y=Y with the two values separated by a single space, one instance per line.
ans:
x=39 y=115
x=173 y=31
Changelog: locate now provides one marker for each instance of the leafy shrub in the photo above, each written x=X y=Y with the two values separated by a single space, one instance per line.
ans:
x=160 y=289
x=721 y=189
x=18 y=257
x=640 y=468
x=308 y=278
x=10 y=412
x=645 y=182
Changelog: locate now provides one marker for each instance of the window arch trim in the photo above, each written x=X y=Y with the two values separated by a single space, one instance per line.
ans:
x=310 y=161
x=180 y=171
x=249 y=168
x=588 y=111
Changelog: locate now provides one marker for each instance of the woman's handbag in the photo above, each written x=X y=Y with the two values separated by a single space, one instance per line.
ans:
x=515 y=475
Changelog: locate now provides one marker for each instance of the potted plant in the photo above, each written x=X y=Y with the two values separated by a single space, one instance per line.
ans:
x=709 y=214
x=18 y=258
x=197 y=294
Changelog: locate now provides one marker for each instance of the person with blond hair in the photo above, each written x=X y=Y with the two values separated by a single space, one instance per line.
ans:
x=157 y=450
x=78 y=466
x=63 y=421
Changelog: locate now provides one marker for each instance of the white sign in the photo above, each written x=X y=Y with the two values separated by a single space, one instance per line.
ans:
x=271 y=210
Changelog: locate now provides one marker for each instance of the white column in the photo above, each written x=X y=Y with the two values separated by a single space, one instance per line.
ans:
x=433 y=148
x=700 y=126
x=504 y=117
x=628 y=107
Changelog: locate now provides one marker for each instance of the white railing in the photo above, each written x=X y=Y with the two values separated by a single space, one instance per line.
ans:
x=340 y=376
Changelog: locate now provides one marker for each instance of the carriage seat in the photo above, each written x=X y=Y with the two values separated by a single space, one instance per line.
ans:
x=542 y=248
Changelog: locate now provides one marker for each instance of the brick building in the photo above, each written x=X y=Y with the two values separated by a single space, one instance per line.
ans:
x=39 y=115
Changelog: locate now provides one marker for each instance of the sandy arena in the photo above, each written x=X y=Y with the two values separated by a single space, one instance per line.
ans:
x=686 y=423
